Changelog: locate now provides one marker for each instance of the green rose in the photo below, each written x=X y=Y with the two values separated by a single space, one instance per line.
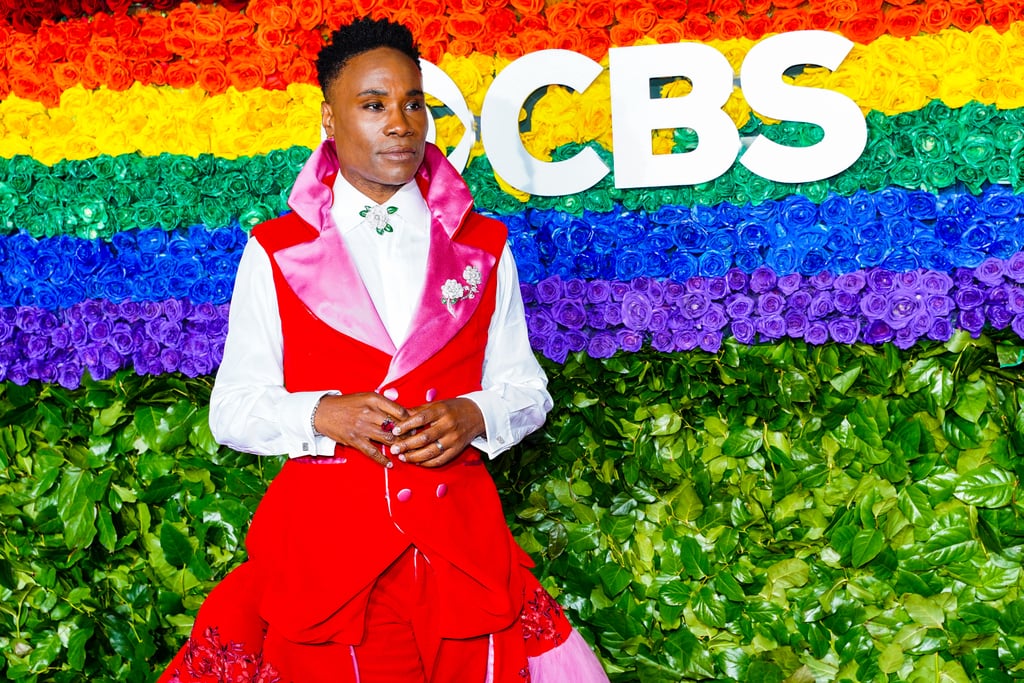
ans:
x=940 y=174
x=998 y=169
x=907 y=173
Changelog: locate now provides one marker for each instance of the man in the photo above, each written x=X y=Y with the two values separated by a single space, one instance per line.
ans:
x=377 y=336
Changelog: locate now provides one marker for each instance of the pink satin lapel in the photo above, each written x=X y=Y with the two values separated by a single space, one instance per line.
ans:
x=434 y=325
x=323 y=276
x=444 y=190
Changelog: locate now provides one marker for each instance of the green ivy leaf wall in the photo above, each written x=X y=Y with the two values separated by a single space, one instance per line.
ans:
x=766 y=513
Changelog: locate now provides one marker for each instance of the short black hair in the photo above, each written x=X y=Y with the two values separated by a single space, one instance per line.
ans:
x=362 y=35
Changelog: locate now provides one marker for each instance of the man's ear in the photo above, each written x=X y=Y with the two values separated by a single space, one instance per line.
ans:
x=327 y=119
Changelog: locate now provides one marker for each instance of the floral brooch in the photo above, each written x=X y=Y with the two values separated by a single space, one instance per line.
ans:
x=453 y=291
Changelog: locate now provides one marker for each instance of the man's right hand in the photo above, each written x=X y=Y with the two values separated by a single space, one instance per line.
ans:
x=362 y=421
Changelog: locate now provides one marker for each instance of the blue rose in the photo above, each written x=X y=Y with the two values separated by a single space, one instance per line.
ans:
x=713 y=264
x=670 y=215
x=834 y=211
x=783 y=259
x=684 y=266
x=922 y=205
x=999 y=201
x=797 y=212
x=891 y=201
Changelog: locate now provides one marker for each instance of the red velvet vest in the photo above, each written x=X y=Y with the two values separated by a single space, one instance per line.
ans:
x=326 y=530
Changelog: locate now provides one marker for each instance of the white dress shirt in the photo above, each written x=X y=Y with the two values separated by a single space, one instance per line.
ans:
x=251 y=411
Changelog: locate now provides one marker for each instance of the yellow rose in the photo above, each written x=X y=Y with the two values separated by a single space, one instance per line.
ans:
x=987 y=91
x=449 y=131
x=508 y=189
x=737 y=108
x=956 y=88
x=1011 y=90
x=662 y=141
x=988 y=50
x=467 y=77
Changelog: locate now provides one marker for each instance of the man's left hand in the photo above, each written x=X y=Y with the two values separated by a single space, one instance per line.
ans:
x=435 y=433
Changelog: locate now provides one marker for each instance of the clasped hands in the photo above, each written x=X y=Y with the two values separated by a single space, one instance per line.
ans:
x=429 y=435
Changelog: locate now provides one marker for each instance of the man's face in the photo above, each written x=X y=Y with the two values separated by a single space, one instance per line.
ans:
x=376 y=114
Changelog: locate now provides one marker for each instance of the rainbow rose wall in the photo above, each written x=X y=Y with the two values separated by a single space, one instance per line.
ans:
x=789 y=415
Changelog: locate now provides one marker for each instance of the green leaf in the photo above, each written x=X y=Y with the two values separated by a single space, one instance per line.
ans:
x=76 y=509
x=843 y=381
x=987 y=486
x=175 y=544
x=866 y=545
x=614 y=578
x=164 y=430
x=946 y=546
x=972 y=398
x=709 y=608
x=743 y=442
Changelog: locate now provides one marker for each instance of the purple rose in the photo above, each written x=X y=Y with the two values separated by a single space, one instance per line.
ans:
x=909 y=280
x=969 y=297
x=762 y=279
x=570 y=313
x=880 y=280
x=739 y=306
x=151 y=310
x=1015 y=267
x=598 y=291
x=613 y=314
x=636 y=311
x=787 y=284
x=874 y=305
x=619 y=290
x=662 y=342
x=844 y=330
x=575 y=340
x=963 y=277
x=36 y=346
x=770 y=327
x=770 y=303
x=659 y=320
x=742 y=330
x=695 y=284
x=1015 y=300
x=851 y=282
x=538 y=321
x=878 y=332
x=939 y=305
x=575 y=288
x=629 y=340
x=736 y=280
x=110 y=358
x=710 y=342
x=555 y=347
x=796 y=323
x=905 y=338
x=602 y=345
x=595 y=318
x=935 y=282
x=717 y=288
x=685 y=340
x=674 y=292
x=549 y=290
x=1018 y=325
x=921 y=323
x=999 y=316
x=822 y=280
x=816 y=333
x=972 y=320
x=69 y=375
x=799 y=300
x=714 y=318
x=846 y=303
x=99 y=331
x=903 y=306
x=821 y=305
x=990 y=271
x=695 y=304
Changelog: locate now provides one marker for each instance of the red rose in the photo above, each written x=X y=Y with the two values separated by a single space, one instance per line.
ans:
x=180 y=75
x=598 y=14
x=786 y=4
x=758 y=26
x=528 y=7
x=968 y=17
x=309 y=13
x=568 y=39
x=754 y=7
x=149 y=72
x=595 y=43
x=153 y=29
x=181 y=44
x=212 y=77
x=698 y=27
x=821 y=20
x=531 y=23
x=674 y=10
x=726 y=7
x=238 y=26
x=903 y=22
x=864 y=27
x=509 y=47
x=1000 y=15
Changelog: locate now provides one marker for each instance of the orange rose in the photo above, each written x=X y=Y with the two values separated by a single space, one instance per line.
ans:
x=532 y=23
x=308 y=43
x=238 y=26
x=901 y=3
x=821 y=20
x=673 y=10
x=51 y=44
x=595 y=43
x=259 y=10
x=25 y=84
x=937 y=16
x=96 y=66
x=968 y=17
x=755 y=7
x=77 y=54
x=528 y=7
x=757 y=26
x=1000 y=15
x=460 y=48
x=698 y=27
x=667 y=32
x=597 y=14
x=509 y=47
x=77 y=31
x=180 y=75
x=624 y=36
x=645 y=18
x=126 y=27
x=270 y=38
x=864 y=27
x=208 y=29
x=563 y=16
x=245 y=75
x=212 y=77
x=119 y=75
x=473 y=6
x=730 y=27
x=308 y=13
x=301 y=71
x=215 y=51
x=336 y=14
x=842 y=10
x=153 y=30
x=432 y=51
x=133 y=50
x=787 y=20
x=426 y=8
x=181 y=44
x=568 y=39
x=466 y=26
x=149 y=72
x=21 y=55
x=726 y=7
x=66 y=75
x=903 y=22
x=786 y=4
x=698 y=7
x=534 y=41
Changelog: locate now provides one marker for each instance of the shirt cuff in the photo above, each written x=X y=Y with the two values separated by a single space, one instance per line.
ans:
x=497 y=437
x=297 y=414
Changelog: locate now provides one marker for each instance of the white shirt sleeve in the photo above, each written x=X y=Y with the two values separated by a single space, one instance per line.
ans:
x=250 y=410
x=514 y=399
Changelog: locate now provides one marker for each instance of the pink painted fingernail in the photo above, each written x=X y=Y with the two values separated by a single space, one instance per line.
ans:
x=402 y=457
